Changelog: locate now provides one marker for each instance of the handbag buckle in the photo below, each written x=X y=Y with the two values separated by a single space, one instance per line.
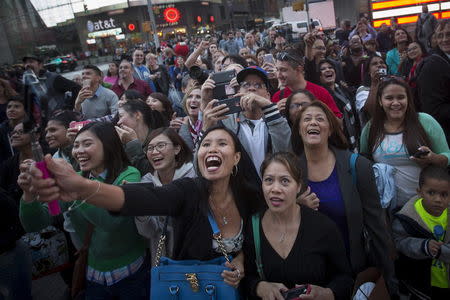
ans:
x=193 y=281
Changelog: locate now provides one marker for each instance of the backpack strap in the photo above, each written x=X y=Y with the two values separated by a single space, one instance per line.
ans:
x=257 y=241
x=353 y=159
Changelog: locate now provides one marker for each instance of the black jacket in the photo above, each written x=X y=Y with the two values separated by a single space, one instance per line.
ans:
x=185 y=200
x=10 y=228
x=434 y=88
x=363 y=210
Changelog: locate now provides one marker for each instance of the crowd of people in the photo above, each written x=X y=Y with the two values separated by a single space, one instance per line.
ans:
x=317 y=159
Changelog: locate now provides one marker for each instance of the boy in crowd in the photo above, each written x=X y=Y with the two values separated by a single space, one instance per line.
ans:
x=420 y=232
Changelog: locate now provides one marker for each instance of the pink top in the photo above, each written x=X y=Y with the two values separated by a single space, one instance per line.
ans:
x=110 y=79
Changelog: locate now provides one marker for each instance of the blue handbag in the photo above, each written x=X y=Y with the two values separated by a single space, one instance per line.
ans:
x=191 y=279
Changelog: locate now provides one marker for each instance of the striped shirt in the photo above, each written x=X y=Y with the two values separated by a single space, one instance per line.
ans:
x=109 y=278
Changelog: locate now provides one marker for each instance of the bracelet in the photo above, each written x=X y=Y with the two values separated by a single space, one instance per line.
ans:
x=92 y=195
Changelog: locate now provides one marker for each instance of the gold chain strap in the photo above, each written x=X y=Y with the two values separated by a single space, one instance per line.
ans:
x=159 y=249
x=218 y=238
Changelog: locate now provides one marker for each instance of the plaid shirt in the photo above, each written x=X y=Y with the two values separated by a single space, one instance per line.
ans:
x=109 y=278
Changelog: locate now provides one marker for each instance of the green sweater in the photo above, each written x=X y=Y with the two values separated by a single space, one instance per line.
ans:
x=115 y=241
x=432 y=128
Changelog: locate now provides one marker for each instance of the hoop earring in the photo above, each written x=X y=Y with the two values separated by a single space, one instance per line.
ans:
x=235 y=170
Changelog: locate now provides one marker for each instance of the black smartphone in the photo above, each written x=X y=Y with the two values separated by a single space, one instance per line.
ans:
x=222 y=80
x=421 y=153
x=296 y=292
x=232 y=103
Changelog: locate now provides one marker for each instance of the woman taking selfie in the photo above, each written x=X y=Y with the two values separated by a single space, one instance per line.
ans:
x=297 y=245
x=116 y=263
x=324 y=156
x=226 y=187
x=399 y=136
x=171 y=159
x=136 y=122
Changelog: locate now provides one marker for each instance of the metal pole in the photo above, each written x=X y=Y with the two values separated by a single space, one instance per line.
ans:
x=307 y=15
x=153 y=23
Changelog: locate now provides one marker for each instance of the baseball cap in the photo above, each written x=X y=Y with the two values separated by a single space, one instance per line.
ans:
x=255 y=71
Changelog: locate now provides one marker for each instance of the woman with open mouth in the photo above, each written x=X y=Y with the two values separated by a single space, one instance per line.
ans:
x=171 y=159
x=117 y=264
x=225 y=188
x=191 y=102
x=325 y=159
x=344 y=99
x=297 y=245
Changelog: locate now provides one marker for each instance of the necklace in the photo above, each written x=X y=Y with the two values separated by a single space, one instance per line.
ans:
x=222 y=216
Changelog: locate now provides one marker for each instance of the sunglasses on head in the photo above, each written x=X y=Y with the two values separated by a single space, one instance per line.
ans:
x=283 y=56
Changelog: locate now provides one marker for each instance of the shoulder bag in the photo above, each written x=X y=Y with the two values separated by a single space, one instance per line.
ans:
x=80 y=266
x=191 y=279
x=257 y=242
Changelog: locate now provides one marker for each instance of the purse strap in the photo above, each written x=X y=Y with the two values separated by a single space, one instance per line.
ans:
x=161 y=242
x=218 y=236
x=257 y=241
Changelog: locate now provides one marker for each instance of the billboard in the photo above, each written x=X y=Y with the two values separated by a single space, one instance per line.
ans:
x=53 y=12
x=406 y=11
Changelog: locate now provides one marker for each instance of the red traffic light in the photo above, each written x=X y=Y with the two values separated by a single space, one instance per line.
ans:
x=211 y=19
x=199 y=19
x=131 y=27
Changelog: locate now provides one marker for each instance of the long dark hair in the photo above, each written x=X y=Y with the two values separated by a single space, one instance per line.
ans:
x=64 y=117
x=167 y=105
x=245 y=184
x=152 y=118
x=414 y=134
x=108 y=73
x=114 y=156
x=337 y=137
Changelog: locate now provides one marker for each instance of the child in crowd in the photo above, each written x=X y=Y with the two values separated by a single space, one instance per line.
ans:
x=420 y=232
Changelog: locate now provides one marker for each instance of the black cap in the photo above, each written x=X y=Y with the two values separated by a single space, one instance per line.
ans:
x=253 y=70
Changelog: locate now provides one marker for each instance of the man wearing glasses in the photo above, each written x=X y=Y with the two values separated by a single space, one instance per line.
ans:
x=260 y=127
x=290 y=67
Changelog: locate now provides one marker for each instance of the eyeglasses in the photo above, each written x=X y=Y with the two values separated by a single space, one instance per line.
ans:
x=18 y=132
x=247 y=85
x=159 y=147
x=286 y=56
x=296 y=105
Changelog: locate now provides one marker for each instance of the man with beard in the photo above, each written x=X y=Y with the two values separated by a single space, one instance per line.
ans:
x=352 y=63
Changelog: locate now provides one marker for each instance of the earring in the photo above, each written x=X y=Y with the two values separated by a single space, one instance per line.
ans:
x=235 y=170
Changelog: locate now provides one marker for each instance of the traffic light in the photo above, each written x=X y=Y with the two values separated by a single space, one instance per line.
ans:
x=131 y=27
x=85 y=7
x=198 y=20
x=211 y=19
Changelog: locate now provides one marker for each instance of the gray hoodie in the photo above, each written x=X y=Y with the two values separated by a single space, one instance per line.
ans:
x=151 y=227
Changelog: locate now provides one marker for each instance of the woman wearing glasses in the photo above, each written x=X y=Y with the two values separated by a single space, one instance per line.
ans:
x=171 y=159
x=295 y=102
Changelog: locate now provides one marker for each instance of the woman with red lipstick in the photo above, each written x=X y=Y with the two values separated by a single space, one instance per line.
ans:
x=324 y=156
x=225 y=188
x=297 y=244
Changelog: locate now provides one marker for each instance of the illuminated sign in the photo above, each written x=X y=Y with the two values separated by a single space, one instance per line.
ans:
x=406 y=11
x=171 y=15
x=105 y=33
x=131 y=27
x=100 y=25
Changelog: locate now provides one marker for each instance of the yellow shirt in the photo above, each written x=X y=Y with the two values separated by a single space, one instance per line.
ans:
x=437 y=226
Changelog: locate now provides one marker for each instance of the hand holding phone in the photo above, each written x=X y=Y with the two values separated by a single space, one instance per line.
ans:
x=421 y=153
x=233 y=105
x=296 y=292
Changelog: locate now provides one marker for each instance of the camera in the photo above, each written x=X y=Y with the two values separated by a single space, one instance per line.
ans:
x=198 y=74
x=223 y=90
